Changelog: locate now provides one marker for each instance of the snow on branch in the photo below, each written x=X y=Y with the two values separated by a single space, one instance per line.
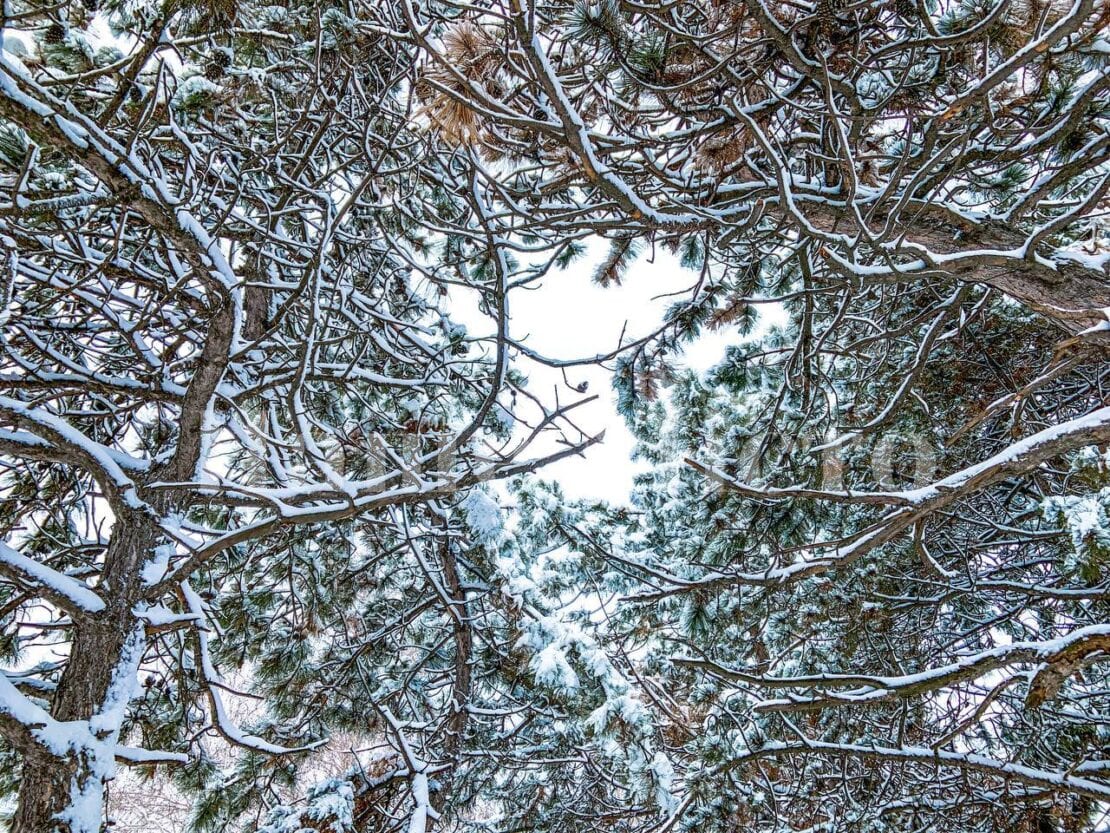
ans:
x=68 y=593
x=1051 y=656
x=915 y=504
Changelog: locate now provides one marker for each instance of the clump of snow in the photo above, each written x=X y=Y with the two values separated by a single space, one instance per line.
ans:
x=1085 y=518
x=517 y=581
x=330 y=802
x=76 y=592
x=663 y=772
x=1098 y=261
x=86 y=807
x=194 y=91
x=623 y=705
x=551 y=668
x=155 y=569
x=125 y=681
x=161 y=616
x=1090 y=459
x=273 y=15
x=483 y=516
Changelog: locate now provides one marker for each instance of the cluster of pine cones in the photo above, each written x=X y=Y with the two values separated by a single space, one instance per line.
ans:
x=217 y=65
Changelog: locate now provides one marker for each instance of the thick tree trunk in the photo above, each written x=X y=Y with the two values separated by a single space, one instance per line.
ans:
x=49 y=783
x=1073 y=295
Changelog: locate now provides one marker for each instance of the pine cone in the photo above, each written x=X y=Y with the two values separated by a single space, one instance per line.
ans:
x=213 y=71
x=906 y=9
x=91 y=5
x=55 y=34
x=222 y=58
x=209 y=12
x=826 y=19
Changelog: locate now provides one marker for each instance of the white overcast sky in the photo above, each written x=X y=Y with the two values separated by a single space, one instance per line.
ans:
x=570 y=316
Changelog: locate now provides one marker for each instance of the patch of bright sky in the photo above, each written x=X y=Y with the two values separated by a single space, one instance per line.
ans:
x=570 y=316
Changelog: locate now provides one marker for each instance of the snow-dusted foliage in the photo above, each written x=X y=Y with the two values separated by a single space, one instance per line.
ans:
x=329 y=806
x=1085 y=516
x=248 y=531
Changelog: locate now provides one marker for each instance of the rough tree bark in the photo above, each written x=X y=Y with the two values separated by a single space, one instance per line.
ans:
x=48 y=782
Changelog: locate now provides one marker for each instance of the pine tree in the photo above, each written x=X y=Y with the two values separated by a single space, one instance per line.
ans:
x=248 y=529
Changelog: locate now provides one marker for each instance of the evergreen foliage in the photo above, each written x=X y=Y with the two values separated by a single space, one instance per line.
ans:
x=274 y=530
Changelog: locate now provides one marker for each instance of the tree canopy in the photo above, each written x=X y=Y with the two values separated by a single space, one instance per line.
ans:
x=274 y=524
